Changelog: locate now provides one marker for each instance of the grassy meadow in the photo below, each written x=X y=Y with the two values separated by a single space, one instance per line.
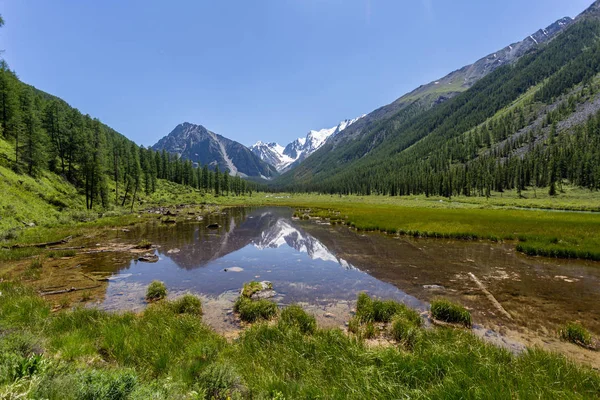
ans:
x=168 y=352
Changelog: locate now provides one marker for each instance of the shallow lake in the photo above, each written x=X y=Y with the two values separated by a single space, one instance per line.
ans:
x=324 y=267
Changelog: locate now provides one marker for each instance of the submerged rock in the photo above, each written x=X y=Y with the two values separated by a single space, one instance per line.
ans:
x=433 y=287
x=265 y=292
x=149 y=258
x=233 y=269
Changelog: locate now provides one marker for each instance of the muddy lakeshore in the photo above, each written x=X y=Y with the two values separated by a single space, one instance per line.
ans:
x=515 y=300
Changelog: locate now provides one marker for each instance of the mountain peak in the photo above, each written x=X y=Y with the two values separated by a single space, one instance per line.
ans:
x=298 y=150
x=198 y=144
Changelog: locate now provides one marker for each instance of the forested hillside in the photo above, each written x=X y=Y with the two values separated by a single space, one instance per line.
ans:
x=44 y=142
x=528 y=125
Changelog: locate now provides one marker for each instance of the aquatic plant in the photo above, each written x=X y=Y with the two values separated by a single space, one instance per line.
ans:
x=156 y=291
x=575 y=333
x=446 y=311
x=294 y=316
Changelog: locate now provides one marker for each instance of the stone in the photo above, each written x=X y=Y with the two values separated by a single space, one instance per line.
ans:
x=149 y=258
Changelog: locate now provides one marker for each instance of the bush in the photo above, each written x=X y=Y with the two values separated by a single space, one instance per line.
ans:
x=187 y=304
x=294 y=315
x=253 y=310
x=575 y=333
x=405 y=331
x=156 y=291
x=446 y=311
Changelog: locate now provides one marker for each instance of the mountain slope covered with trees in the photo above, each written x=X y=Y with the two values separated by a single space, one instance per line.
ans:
x=528 y=125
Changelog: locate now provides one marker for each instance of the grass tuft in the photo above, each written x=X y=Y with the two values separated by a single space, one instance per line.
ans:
x=156 y=291
x=254 y=310
x=575 y=333
x=446 y=311
x=294 y=316
x=187 y=304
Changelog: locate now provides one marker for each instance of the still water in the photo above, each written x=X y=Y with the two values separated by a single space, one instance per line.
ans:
x=324 y=266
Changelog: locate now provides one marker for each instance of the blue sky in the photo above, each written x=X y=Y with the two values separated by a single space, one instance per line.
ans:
x=265 y=70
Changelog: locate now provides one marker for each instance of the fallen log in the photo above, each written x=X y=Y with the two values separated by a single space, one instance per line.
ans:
x=490 y=296
x=40 y=245
x=68 y=290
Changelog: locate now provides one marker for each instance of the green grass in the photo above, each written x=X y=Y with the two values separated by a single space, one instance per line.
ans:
x=446 y=311
x=294 y=316
x=187 y=304
x=156 y=291
x=160 y=353
x=535 y=232
x=405 y=331
x=375 y=310
x=574 y=332
x=254 y=310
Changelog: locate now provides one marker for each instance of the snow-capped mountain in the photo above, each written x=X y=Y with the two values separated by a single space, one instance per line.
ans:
x=284 y=233
x=284 y=158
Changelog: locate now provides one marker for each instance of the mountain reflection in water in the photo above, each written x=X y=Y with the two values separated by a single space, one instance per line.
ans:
x=265 y=243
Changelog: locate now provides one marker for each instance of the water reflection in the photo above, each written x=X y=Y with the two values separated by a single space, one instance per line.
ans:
x=260 y=244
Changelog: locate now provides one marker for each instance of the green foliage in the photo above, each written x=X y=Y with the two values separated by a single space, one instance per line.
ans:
x=446 y=311
x=254 y=310
x=294 y=316
x=483 y=140
x=187 y=304
x=575 y=333
x=156 y=291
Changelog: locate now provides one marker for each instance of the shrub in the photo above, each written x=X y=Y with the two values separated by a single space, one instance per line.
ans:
x=187 y=304
x=294 y=315
x=156 y=291
x=575 y=333
x=446 y=311
x=253 y=310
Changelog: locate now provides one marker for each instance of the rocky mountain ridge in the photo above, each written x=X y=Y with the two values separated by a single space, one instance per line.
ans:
x=198 y=144
x=285 y=158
